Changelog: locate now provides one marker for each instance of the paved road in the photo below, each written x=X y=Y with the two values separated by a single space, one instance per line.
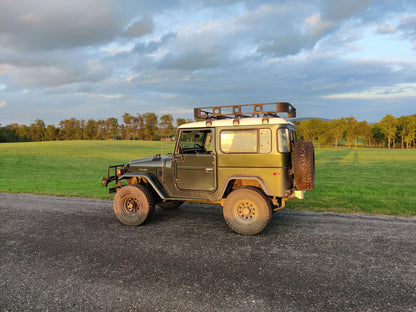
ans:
x=72 y=254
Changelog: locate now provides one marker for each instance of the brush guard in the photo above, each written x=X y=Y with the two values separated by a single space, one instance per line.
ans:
x=106 y=180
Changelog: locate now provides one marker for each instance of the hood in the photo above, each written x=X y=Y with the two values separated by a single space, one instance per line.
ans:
x=147 y=162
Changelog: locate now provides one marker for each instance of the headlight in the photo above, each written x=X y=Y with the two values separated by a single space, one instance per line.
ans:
x=119 y=172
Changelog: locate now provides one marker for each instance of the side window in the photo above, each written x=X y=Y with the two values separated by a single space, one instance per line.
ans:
x=195 y=141
x=283 y=140
x=246 y=141
x=265 y=141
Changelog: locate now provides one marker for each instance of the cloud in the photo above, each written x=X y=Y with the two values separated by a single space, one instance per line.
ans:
x=401 y=90
x=408 y=27
x=385 y=29
x=2 y=104
x=139 y=28
x=49 y=24
x=340 y=10
x=106 y=57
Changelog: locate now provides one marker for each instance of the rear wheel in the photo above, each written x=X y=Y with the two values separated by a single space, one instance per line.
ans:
x=247 y=210
x=170 y=204
x=134 y=204
x=304 y=166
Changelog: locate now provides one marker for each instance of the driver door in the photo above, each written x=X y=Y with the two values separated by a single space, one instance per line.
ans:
x=195 y=160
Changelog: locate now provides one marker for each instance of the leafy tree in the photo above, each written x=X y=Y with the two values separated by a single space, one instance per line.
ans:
x=166 y=125
x=140 y=126
x=101 y=130
x=131 y=125
x=336 y=128
x=111 y=127
x=51 y=133
x=91 y=129
x=150 y=126
x=37 y=130
x=388 y=128
x=377 y=135
x=409 y=135
x=182 y=121
x=351 y=130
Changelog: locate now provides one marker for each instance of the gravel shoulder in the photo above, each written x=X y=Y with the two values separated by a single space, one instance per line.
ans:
x=72 y=254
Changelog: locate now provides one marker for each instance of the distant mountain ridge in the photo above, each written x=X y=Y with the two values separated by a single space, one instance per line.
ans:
x=299 y=119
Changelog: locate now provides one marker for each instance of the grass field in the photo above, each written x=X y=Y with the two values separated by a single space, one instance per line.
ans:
x=347 y=180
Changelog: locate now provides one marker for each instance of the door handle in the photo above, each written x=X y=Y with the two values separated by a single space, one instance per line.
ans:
x=207 y=170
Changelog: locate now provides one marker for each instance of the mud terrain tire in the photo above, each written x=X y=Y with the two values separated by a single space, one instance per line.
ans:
x=304 y=166
x=134 y=204
x=247 y=210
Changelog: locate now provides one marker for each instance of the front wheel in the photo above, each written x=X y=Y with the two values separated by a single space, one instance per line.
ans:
x=247 y=210
x=133 y=204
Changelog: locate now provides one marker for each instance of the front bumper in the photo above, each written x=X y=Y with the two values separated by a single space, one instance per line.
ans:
x=109 y=178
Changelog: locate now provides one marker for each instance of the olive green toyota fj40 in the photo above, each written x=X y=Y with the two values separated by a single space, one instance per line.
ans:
x=244 y=157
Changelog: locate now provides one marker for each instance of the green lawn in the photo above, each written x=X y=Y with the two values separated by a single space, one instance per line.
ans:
x=68 y=168
x=374 y=181
x=347 y=180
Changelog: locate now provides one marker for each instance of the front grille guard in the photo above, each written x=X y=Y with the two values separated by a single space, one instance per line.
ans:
x=106 y=180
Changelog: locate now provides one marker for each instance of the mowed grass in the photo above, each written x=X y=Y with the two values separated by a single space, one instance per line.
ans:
x=373 y=181
x=68 y=168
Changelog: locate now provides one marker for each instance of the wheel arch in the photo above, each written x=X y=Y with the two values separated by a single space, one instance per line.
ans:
x=146 y=178
x=235 y=182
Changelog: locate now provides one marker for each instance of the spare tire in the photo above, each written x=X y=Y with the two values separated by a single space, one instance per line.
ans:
x=304 y=166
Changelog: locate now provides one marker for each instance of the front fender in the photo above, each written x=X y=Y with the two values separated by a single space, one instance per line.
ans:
x=150 y=178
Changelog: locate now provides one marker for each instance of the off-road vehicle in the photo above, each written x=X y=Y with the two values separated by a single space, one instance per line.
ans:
x=244 y=157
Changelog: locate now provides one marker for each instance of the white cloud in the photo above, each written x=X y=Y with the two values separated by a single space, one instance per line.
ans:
x=104 y=57
x=401 y=90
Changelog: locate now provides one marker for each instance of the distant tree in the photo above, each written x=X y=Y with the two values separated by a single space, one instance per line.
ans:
x=388 y=128
x=360 y=131
x=69 y=129
x=91 y=129
x=406 y=130
x=166 y=125
x=377 y=135
x=130 y=124
x=351 y=130
x=101 y=130
x=82 y=130
x=313 y=129
x=304 y=132
x=409 y=133
x=150 y=126
x=51 y=133
x=112 y=127
x=182 y=121
x=9 y=133
x=23 y=133
x=337 y=127
x=140 y=126
x=123 y=133
x=366 y=133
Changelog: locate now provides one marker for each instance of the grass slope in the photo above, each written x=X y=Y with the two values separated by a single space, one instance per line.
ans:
x=347 y=180
x=68 y=168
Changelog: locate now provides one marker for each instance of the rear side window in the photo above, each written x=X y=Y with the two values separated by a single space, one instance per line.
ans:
x=246 y=141
x=283 y=140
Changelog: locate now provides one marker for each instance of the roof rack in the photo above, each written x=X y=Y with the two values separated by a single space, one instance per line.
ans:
x=245 y=110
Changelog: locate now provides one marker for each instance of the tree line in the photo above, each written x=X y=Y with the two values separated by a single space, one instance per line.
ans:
x=390 y=132
x=146 y=126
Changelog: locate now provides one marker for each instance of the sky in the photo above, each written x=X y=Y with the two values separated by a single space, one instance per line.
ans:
x=102 y=58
